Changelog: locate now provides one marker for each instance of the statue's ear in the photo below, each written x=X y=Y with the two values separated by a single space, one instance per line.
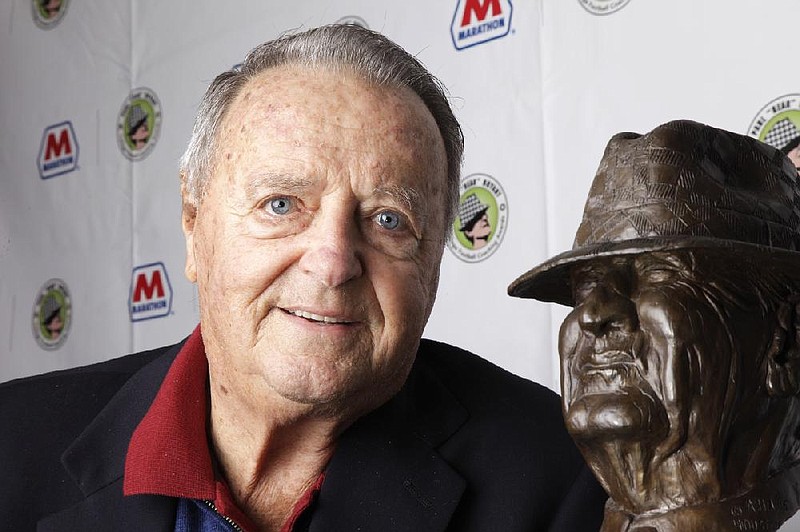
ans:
x=783 y=356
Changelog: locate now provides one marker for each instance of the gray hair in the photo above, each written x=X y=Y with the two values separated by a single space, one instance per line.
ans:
x=371 y=55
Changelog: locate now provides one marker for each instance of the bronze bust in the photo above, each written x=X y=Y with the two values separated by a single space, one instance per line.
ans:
x=680 y=361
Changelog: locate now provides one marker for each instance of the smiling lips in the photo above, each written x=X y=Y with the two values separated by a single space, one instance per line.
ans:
x=319 y=318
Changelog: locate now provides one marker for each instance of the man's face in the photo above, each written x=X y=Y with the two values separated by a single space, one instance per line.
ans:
x=316 y=246
x=141 y=134
x=641 y=341
x=481 y=230
x=52 y=7
x=55 y=326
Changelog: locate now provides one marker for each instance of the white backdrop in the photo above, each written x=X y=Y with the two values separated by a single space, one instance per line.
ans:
x=90 y=227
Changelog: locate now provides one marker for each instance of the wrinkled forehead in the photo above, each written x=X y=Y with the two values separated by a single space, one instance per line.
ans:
x=323 y=126
x=694 y=276
x=289 y=109
x=293 y=95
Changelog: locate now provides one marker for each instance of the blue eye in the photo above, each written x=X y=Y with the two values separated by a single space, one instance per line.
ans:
x=281 y=205
x=388 y=220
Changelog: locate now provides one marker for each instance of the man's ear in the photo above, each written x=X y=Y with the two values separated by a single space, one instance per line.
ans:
x=188 y=220
x=783 y=356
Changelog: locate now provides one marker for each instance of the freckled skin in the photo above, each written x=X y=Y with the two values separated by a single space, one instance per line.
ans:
x=336 y=144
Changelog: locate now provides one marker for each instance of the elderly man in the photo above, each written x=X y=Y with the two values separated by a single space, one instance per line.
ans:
x=318 y=187
x=680 y=359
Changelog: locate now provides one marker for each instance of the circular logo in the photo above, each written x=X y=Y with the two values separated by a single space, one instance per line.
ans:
x=138 y=124
x=353 y=19
x=778 y=122
x=48 y=13
x=482 y=218
x=52 y=315
x=603 y=7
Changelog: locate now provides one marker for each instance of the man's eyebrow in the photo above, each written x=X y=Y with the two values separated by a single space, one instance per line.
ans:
x=272 y=180
x=408 y=196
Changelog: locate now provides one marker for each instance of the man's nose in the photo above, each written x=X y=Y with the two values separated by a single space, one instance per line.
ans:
x=332 y=253
x=605 y=310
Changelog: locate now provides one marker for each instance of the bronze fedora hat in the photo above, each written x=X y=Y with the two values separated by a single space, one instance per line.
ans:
x=684 y=185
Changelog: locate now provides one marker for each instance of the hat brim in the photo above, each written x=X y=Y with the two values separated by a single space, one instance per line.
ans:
x=550 y=280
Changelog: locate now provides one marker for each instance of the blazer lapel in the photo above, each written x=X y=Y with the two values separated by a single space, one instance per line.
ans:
x=386 y=473
x=96 y=462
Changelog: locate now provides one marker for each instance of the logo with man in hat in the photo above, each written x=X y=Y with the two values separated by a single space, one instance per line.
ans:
x=138 y=124
x=52 y=315
x=48 y=13
x=482 y=218
x=778 y=124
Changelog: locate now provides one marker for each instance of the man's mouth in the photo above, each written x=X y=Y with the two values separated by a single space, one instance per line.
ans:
x=608 y=360
x=310 y=316
x=608 y=370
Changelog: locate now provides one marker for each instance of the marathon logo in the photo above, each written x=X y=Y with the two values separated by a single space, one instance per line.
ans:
x=58 y=153
x=479 y=21
x=151 y=292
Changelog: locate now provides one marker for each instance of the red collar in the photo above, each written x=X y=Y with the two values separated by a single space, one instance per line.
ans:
x=169 y=453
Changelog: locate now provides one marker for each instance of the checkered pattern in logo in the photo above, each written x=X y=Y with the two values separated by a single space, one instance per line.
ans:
x=781 y=133
x=136 y=118
x=469 y=209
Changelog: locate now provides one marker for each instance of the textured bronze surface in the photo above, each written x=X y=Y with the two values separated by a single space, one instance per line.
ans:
x=680 y=361
x=683 y=185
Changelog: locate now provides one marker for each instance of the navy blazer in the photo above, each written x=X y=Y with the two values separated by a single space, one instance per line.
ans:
x=464 y=446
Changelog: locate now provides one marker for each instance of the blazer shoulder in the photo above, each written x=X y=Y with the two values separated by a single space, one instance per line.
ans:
x=127 y=364
x=68 y=397
x=509 y=413
x=42 y=416
x=479 y=383
x=513 y=441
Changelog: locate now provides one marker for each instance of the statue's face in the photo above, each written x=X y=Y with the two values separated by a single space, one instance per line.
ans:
x=644 y=353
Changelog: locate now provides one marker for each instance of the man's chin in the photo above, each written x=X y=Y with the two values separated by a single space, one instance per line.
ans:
x=627 y=414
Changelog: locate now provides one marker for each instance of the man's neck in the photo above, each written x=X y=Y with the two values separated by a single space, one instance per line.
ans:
x=640 y=482
x=270 y=458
